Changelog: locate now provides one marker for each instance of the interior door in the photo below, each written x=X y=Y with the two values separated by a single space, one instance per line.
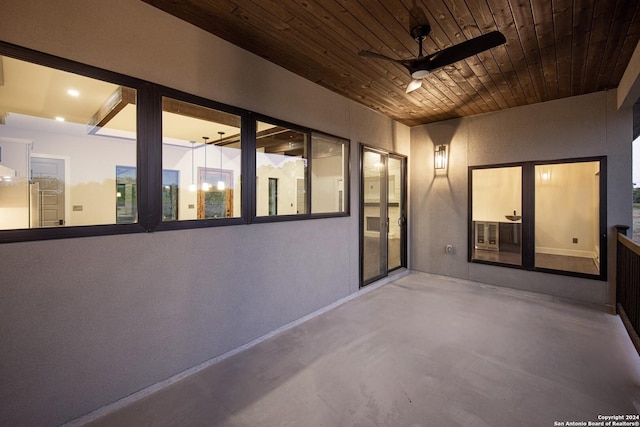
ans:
x=382 y=214
x=49 y=175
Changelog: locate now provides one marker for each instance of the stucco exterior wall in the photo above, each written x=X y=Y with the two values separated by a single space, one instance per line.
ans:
x=583 y=126
x=85 y=322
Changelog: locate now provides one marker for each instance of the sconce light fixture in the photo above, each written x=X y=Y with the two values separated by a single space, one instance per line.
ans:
x=441 y=158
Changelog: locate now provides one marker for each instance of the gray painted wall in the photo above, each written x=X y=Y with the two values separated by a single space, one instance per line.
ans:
x=582 y=126
x=85 y=322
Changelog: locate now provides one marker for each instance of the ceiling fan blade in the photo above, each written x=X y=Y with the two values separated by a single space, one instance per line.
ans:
x=370 y=54
x=466 y=49
x=415 y=84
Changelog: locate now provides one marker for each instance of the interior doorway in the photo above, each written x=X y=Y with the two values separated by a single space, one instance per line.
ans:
x=383 y=224
x=47 y=192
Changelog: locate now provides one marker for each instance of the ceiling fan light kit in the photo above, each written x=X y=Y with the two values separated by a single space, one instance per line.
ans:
x=413 y=85
x=421 y=66
x=420 y=74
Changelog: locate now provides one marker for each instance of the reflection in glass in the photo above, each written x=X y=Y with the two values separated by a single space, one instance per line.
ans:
x=374 y=261
x=203 y=146
x=329 y=163
x=126 y=195
x=214 y=200
x=61 y=137
x=170 y=180
x=497 y=215
x=273 y=196
x=281 y=154
x=395 y=213
x=567 y=220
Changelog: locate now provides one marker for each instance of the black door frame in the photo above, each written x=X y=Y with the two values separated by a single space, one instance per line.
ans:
x=384 y=219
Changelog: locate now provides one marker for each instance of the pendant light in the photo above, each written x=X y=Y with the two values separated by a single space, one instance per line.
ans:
x=205 y=185
x=221 y=184
x=192 y=187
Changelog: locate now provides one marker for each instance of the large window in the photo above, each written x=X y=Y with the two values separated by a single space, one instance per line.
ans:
x=547 y=216
x=567 y=217
x=497 y=214
x=329 y=165
x=61 y=137
x=281 y=157
x=85 y=151
x=283 y=167
x=204 y=145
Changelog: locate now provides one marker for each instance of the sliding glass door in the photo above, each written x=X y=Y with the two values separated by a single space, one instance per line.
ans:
x=382 y=214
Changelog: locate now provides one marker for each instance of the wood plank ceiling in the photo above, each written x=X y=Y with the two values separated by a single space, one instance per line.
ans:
x=554 y=49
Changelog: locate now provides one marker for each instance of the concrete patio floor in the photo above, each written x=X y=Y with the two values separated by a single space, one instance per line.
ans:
x=421 y=351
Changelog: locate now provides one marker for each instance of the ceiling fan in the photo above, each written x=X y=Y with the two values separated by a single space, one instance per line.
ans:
x=422 y=66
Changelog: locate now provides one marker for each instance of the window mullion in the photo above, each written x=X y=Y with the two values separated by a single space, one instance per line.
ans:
x=309 y=154
x=149 y=174
x=528 y=215
x=249 y=167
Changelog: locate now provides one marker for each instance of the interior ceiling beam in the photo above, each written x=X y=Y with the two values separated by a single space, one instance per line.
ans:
x=283 y=147
x=111 y=107
x=124 y=96
x=194 y=111
x=629 y=87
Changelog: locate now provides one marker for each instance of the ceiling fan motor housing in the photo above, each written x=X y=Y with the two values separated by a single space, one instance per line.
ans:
x=419 y=32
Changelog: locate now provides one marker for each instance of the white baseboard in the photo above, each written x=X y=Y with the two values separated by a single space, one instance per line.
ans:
x=566 y=252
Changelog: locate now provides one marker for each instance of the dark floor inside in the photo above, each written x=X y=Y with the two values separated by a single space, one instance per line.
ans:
x=546 y=261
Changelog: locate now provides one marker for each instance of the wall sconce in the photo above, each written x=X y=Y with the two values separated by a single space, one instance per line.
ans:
x=441 y=157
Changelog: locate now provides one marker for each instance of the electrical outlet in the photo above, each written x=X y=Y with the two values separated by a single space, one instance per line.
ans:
x=575 y=240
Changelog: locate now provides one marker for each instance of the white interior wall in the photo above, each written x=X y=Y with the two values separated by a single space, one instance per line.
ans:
x=14 y=182
x=90 y=163
x=180 y=158
x=585 y=126
x=325 y=185
x=565 y=205
x=287 y=170
x=85 y=322
x=496 y=193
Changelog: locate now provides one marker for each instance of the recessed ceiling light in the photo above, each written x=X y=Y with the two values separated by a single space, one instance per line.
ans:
x=73 y=92
x=60 y=119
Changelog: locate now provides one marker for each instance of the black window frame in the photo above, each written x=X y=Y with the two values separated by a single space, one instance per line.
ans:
x=309 y=152
x=144 y=95
x=167 y=92
x=346 y=178
x=149 y=157
x=528 y=216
